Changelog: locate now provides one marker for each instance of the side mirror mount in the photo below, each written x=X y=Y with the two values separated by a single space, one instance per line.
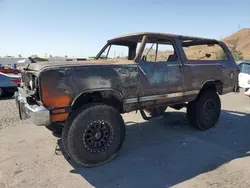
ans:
x=31 y=60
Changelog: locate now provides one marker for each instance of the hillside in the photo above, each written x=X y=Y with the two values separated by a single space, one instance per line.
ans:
x=241 y=40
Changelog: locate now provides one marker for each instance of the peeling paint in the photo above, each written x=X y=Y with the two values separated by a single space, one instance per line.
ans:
x=135 y=79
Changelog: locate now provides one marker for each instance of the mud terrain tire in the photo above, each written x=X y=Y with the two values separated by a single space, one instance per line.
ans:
x=204 y=112
x=94 y=136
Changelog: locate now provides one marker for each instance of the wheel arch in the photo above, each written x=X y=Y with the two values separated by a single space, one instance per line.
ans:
x=108 y=96
x=216 y=85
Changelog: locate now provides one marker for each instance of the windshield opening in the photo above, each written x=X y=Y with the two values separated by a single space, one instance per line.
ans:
x=121 y=51
x=115 y=52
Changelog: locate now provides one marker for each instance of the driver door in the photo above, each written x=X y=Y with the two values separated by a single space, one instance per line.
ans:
x=161 y=72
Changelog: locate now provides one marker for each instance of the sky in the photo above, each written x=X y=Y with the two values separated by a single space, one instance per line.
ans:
x=80 y=28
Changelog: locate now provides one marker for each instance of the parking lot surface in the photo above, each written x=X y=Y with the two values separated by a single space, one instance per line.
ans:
x=163 y=152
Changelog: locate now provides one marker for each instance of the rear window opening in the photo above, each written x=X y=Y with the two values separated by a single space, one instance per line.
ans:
x=202 y=50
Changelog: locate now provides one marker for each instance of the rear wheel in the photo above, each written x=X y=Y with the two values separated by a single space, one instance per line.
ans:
x=94 y=136
x=155 y=112
x=204 y=112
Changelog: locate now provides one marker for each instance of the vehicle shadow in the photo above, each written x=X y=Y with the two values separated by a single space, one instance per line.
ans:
x=167 y=151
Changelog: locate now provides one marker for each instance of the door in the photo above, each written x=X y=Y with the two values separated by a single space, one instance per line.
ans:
x=160 y=71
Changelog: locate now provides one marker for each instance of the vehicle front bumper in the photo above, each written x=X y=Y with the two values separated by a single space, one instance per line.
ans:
x=39 y=115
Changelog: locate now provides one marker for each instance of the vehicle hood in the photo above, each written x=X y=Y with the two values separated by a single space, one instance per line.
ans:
x=38 y=66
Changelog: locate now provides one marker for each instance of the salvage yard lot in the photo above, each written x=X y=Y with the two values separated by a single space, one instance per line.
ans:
x=163 y=152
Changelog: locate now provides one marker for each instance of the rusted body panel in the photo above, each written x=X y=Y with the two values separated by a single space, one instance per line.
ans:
x=136 y=83
x=159 y=78
x=73 y=81
x=207 y=72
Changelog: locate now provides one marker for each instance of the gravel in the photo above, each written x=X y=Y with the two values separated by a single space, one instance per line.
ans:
x=164 y=152
x=8 y=113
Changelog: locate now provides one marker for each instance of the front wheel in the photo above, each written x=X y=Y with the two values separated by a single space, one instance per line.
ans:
x=95 y=135
x=204 y=112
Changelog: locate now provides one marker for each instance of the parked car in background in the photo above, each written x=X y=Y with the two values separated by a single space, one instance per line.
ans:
x=244 y=76
x=9 y=70
x=8 y=84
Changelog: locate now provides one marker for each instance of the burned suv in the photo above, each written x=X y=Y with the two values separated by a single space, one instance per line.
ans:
x=144 y=71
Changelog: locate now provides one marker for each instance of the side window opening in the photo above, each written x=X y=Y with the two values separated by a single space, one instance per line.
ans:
x=208 y=52
x=159 y=51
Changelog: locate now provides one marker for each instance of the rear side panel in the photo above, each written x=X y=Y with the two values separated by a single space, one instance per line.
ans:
x=198 y=72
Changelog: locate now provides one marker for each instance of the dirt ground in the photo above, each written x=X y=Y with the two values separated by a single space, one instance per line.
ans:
x=165 y=152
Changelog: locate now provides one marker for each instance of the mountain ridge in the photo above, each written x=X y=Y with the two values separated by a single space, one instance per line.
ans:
x=240 y=40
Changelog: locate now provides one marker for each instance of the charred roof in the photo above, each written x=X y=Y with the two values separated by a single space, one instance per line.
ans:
x=137 y=37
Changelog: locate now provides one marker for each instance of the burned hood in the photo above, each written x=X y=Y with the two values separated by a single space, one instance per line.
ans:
x=38 y=66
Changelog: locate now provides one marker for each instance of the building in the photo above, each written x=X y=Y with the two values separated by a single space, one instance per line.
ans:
x=10 y=61
x=15 y=61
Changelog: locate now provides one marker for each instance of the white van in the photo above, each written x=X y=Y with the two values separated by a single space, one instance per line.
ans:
x=244 y=76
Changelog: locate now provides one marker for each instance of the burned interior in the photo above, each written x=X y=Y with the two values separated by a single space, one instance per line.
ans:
x=143 y=45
